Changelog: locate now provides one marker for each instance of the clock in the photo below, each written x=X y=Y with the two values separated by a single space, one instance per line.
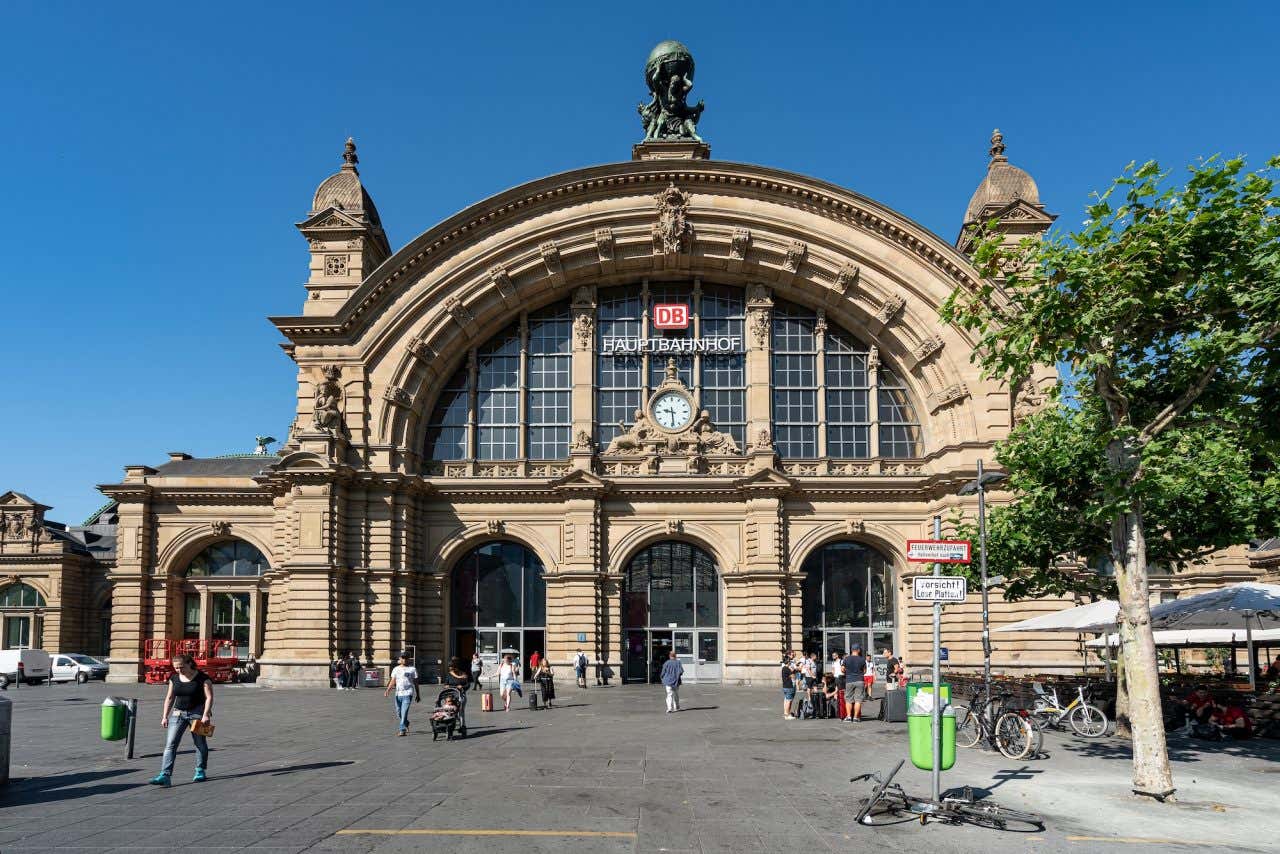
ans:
x=672 y=410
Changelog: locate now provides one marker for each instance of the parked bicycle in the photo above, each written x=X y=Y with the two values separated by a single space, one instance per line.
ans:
x=1084 y=718
x=889 y=799
x=991 y=719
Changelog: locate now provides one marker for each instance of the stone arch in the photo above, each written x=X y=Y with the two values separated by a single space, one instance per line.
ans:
x=883 y=538
x=460 y=282
x=179 y=551
x=702 y=536
x=462 y=541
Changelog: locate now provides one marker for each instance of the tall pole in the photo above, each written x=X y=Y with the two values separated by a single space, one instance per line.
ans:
x=937 y=676
x=982 y=563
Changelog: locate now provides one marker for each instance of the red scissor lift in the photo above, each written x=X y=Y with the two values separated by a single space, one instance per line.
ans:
x=217 y=658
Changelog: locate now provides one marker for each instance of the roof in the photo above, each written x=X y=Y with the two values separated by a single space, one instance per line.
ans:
x=1003 y=183
x=345 y=191
x=234 y=465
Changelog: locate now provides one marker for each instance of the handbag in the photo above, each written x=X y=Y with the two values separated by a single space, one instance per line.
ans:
x=201 y=728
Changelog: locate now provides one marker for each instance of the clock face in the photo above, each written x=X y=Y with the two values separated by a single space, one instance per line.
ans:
x=672 y=410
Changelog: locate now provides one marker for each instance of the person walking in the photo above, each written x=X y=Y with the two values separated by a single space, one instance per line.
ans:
x=672 y=674
x=338 y=670
x=188 y=700
x=580 y=668
x=788 y=686
x=508 y=681
x=837 y=670
x=477 y=664
x=534 y=661
x=404 y=679
x=855 y=689
x=545 y=680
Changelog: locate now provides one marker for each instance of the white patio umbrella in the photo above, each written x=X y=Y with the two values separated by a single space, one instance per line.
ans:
x=1195 y=637
x=1245 y=606
x=1094 y=617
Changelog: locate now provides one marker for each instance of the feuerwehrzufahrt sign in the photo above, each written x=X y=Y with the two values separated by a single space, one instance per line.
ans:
x=940 y=588
x=938 y=551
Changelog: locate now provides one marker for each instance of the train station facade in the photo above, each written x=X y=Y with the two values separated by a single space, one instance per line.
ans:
x=668 y=403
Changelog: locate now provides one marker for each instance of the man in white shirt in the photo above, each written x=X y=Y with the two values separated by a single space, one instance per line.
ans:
x=404 y=679
x=580 y=668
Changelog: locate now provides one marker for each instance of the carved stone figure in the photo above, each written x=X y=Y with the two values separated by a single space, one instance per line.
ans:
x=669 y=76
x=711 y=440
x=671 y=232
x=1028 y=400
x=632 y=441
x=763 y=441
x=328 y=402
x=582 y=441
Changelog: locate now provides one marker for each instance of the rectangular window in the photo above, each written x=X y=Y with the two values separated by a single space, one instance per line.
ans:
x=899 y=431
x=795 y=383
x=617 y=377
x=550 y=385
x=231 y=620
x=17 y=632
x=723 y=380
x=191 y=616
x=848 y=398
x=498 y=399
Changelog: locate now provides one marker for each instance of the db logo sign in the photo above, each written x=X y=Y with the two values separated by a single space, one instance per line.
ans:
x=670 y=316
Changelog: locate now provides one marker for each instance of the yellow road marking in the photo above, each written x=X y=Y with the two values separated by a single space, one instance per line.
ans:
x=620 y=834
x=1139 y=840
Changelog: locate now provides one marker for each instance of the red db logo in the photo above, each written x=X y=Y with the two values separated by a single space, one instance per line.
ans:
x=670 y=316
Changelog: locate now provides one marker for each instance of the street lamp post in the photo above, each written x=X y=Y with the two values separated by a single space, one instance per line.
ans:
x=979 y=486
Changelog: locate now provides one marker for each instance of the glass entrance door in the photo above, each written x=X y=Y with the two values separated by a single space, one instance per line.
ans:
x=684 y=654
x=660 y=646
x=708 y=646
x=842 y=641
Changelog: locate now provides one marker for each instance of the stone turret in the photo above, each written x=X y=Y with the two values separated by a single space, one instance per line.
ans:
x=1008 y=195
x=345 y=234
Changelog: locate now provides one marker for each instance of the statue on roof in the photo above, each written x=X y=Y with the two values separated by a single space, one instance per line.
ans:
x=260 y=445
x=669 y=75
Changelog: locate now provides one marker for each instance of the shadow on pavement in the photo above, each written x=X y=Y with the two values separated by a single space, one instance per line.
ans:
x=1181 y=749
x=62 y=787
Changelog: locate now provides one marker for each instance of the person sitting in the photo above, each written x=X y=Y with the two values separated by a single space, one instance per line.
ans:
x=1199 y=705
x=1232 y=720
x=830 y=695
x=1273 y=669
x=448 y=710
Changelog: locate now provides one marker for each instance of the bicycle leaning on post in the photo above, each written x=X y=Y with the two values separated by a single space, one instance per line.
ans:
x=1083 y=717
x=988 y=718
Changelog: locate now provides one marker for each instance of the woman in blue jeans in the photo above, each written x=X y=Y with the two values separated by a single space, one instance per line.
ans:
x=189 y=699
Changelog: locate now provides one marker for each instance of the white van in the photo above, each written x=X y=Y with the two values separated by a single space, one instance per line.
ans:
x=32 y=666
x=76 y=667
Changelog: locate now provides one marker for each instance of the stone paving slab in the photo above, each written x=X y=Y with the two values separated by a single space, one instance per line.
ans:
x=291 y=769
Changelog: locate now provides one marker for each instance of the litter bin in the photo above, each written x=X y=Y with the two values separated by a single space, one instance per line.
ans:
x=920 y=735
x=927 y=687
x=371 y=677
x=114 y=723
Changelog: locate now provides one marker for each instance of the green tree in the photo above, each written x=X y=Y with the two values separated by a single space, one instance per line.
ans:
x=1165 y=310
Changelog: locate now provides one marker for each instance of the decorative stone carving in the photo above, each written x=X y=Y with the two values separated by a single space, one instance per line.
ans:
x=762 y=441
x=947 y=396
x=854 y=525
x=697 y=438
x=669 y=75
x=739 y=243
x=758 y=321
x=793 y=259
x=501 y=279
x=605 y=247
x=873 y=358
x=397 y=396
x=493 y=526
x=327 y=414
x=672 y=233
x=890 y=309
x=335 y=265
x=847 y=279
x=552 y=261
x=820 y=325
x=927 y=348
x=260 y=444
x=583 y=326
x=711 y=440
x=220 y=528
x=419 y=347
x=355 y=243
x=758 y=296
x=674 y=526
x=583 y=298
x=582 y=442
x=1028 y=400
x=459 y=312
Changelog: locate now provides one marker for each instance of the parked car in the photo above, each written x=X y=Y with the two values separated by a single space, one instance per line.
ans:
x=75 y=666
x=28 y=665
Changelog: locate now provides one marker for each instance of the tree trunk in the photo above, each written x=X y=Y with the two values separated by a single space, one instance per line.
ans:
x=1151 y=773
x=1123 y=729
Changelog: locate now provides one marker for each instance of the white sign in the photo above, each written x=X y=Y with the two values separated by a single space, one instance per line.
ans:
x=940 y=588
x=938 y=551
x=670 y=316
x=628 y=346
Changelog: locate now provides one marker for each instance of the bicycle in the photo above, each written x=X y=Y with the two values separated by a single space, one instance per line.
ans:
x=889 y=798
x=1008 y=731
x=1087 y=720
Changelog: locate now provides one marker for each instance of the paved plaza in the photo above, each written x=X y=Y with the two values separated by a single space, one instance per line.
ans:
x=605 y=771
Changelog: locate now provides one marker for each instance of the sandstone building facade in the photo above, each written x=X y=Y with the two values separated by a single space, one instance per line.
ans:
x=666 y=403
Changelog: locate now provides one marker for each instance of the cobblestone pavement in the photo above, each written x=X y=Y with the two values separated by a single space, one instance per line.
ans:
x=605 y=771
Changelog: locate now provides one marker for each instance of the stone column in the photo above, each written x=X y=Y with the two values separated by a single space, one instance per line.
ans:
x=582 y=400
x=130 y=620
x=759 y=386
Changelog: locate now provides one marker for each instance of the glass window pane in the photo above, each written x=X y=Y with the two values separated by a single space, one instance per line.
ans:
x=499 y=585
x=535 y=591
x=795 y=381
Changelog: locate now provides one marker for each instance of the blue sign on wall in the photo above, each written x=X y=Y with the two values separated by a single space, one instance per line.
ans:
x=943 y=653
x=582 y=637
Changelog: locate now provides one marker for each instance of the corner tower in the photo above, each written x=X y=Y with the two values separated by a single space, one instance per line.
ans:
x=345 y=235
x=1007 y=195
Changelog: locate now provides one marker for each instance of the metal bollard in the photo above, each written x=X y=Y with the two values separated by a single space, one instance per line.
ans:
x=133 y=724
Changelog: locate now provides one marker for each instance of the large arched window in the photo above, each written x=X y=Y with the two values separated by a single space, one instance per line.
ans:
x=22 y=624
x=671 y=603
x=21 y=596
x=231 y=558
x=513 y=399
x=498 y=602
x=832 y=397
x=847 y=599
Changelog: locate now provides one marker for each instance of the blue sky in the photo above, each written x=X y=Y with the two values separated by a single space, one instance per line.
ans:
x=158 y=155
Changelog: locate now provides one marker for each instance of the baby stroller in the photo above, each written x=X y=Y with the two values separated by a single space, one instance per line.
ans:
x=449 y=715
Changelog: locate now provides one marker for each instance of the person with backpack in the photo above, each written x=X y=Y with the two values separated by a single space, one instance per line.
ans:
x=580 y=668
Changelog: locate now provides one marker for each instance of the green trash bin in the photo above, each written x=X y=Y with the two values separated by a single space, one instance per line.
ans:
x=927 y=687
x=920 y=736
x=114 y=723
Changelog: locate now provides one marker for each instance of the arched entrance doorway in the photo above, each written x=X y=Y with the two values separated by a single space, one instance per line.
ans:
x=498 y=604
x=848 y=600
x=671 y=600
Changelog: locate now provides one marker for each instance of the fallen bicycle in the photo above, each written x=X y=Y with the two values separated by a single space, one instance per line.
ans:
x=889 y=799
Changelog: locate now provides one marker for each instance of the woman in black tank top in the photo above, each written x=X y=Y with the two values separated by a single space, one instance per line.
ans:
x=189 y=699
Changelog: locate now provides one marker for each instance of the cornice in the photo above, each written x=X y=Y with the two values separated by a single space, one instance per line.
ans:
x=578 y=186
